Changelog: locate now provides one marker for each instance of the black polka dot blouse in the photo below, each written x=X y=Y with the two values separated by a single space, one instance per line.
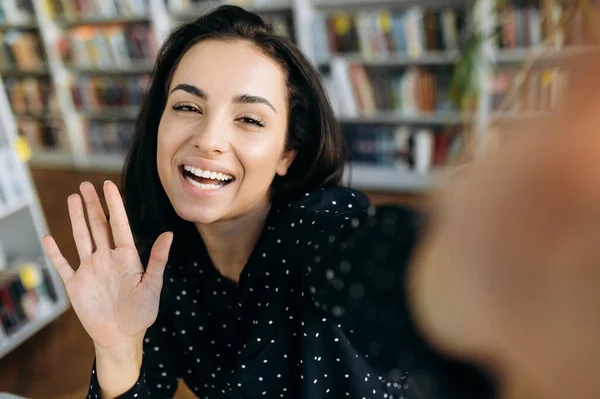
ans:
x=319 y=312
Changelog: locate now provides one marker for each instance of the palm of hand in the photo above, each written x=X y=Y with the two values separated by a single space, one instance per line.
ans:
x=110 y=301
x=115 y=299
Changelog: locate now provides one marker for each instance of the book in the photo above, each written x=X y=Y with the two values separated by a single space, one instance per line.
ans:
x=417 y=149
x=380 y=33
x=25 y=296
x=358 y=90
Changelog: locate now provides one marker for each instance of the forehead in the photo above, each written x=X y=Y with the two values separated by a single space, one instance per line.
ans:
x=230 y=67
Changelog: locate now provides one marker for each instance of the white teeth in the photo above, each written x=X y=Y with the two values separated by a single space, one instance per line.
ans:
x=204 y=186
x=207 y=173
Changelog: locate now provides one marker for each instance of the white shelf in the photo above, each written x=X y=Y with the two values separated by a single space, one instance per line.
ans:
x=105 y=20
x=22 y=224
x=387 y=4
x=519 y=55
x=390 y=60
x=51 y=159
x=515 y=117
x=26 y=25
x=16 y=72
x=392 y=117
x=196 y=11
x=8 y=343
x=134 y=68
x=38 y=116
x=6 y=211
x=277 y=7
x=104 y=162
x=112 y=114
x=381 y=178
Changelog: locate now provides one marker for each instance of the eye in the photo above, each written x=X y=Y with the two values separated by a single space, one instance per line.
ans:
x=186 y=107
x=252 y=121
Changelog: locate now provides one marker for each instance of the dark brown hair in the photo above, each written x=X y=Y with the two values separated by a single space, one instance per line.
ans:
x=313 y=130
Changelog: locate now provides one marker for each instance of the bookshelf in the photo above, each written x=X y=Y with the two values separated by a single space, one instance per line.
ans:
x=71 y=126
x=415 y=60
x=31 y=293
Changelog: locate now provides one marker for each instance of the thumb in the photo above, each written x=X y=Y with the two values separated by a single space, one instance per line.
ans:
x=158 y=257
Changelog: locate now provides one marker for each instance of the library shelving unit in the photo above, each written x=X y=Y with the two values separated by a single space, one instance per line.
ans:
x=89 y=128
x=31 y=292
x=402 y=145
x=385 y=63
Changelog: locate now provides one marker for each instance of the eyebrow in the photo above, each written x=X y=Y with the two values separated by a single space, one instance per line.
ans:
x=248 y=99
x=193 y=90
x=240 y=99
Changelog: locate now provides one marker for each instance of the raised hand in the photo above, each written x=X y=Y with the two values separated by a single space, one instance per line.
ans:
x=510 y=273
x=115 y=299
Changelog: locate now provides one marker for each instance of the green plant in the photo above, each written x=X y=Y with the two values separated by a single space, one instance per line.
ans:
x=465 y=82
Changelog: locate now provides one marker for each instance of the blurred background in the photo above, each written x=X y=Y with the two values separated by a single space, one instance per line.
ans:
x=419 y=87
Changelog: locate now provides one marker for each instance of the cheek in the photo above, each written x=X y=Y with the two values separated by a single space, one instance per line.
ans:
x=167 y=142
x=261 y=156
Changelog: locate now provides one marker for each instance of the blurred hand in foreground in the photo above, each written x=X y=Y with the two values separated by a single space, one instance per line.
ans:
x=509 y=274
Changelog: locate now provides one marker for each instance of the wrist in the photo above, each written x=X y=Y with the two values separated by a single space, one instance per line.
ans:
x=124 y=352
x=118 y=368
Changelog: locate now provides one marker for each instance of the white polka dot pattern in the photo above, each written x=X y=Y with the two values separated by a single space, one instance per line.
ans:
x=319 y=312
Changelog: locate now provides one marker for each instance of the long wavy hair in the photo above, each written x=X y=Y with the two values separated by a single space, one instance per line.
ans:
x=313 y=130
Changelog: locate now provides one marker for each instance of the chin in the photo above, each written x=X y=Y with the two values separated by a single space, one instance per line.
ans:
x=199 y=216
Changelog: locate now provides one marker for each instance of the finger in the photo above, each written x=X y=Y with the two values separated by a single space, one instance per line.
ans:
x=81 y=233
x=96 y=216
x=119 y=223
x=62 y=267
x=158 y=258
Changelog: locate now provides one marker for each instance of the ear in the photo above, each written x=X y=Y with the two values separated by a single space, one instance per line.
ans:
x=284 y=163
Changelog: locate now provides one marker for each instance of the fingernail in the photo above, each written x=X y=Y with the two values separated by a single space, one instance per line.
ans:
x=106 y=181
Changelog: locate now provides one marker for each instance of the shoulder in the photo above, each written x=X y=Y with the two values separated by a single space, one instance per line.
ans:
x=334 y=200
x=340 y=210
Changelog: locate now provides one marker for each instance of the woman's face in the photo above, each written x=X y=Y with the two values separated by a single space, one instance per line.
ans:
x=221 y=138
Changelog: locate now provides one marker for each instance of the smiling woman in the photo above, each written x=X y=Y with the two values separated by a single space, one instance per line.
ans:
x=235 y=266
x=238 y=264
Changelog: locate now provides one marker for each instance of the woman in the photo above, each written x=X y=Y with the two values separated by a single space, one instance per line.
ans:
x=239 y=265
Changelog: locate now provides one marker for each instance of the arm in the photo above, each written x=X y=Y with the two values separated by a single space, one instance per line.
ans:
x=144 y=370
x=115 y=296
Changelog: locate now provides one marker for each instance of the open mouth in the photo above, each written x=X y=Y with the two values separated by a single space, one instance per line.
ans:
x=205 y=179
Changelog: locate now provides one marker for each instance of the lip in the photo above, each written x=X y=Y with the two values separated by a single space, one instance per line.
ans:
x=206 y=165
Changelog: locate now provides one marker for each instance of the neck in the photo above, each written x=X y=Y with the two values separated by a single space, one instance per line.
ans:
x=229 y=243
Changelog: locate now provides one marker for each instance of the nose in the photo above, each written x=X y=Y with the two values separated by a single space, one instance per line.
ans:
x=211 y=136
